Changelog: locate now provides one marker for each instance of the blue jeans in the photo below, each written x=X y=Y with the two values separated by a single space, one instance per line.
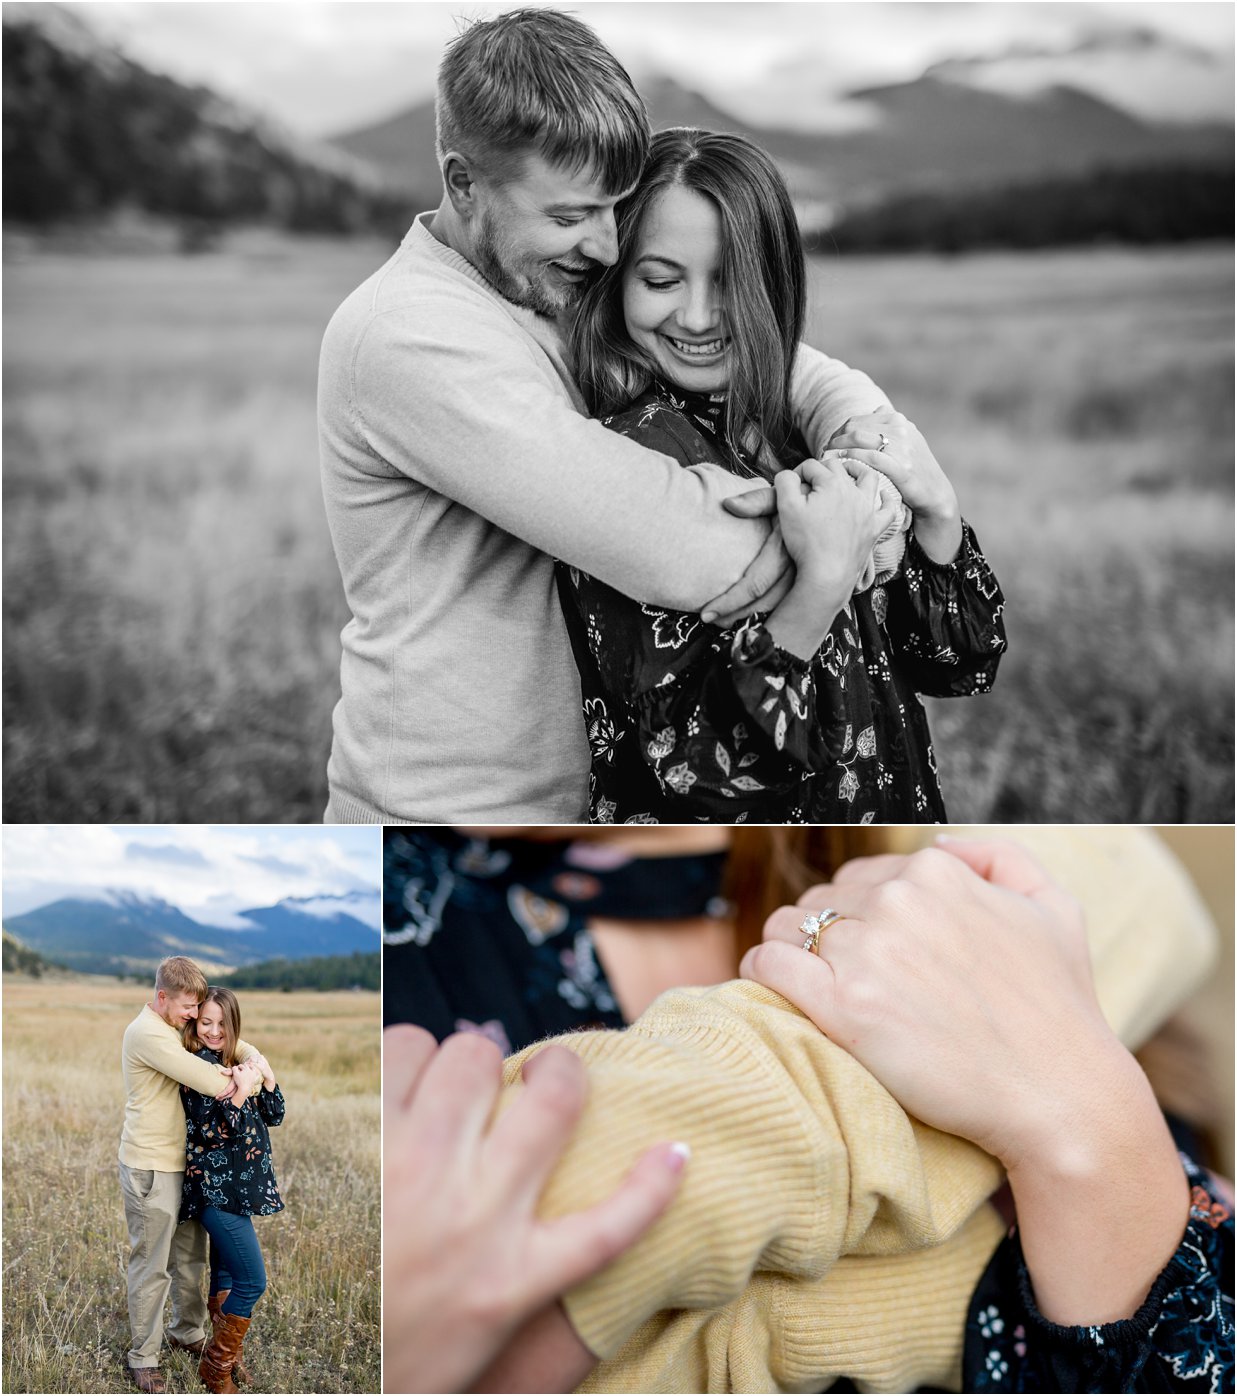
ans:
x=235 y=1260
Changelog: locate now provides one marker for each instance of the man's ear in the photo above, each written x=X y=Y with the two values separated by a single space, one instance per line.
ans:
x=459 y=180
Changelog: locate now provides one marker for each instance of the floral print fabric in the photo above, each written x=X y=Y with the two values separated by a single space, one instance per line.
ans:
x=1181 y=1338
x=692 y=722
x=228 y=1152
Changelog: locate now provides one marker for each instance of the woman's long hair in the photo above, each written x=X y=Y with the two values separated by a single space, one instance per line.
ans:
x=230 y=1012
x=763 y=285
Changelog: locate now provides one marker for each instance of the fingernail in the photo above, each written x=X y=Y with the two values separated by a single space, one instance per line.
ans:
x=945 y=838
x=676 y=1159
x=708 y=617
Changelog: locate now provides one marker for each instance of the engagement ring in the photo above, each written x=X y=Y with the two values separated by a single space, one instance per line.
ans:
x=813 y=926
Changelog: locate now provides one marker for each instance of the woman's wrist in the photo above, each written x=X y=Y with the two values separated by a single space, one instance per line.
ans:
x=939 y=532
x=1101 y=1198
x=802 y=619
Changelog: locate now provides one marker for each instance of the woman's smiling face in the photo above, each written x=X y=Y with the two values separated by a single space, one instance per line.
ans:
x=672 y=301
x=210 y=1026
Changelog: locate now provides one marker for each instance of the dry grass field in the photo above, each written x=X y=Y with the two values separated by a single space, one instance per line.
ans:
x=172 y=607
x=64 y=1243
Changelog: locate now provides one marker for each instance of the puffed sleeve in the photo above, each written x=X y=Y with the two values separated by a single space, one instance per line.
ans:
x=945 y=620
x=270 y=1105
x=1180 y=1339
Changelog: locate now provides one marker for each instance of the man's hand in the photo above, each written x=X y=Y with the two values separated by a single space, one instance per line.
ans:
x=768 y=578
x=466 y=1260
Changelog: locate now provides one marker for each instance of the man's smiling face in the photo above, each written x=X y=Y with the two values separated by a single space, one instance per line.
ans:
x=176 y=1009
x=537 y=237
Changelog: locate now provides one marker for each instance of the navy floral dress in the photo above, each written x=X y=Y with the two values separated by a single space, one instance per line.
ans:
x=1181 y=1338
x=688 y=722
x=228 y=1152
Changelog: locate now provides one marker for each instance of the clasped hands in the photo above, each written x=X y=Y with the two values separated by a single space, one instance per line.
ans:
x=854 y=451
x=242 y=1079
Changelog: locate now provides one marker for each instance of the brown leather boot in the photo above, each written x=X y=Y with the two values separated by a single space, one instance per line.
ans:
x=215 y=1304
x=215 y=1368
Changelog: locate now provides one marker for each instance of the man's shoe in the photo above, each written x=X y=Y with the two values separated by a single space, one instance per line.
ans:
x=148 y=1379
x=197 y=1349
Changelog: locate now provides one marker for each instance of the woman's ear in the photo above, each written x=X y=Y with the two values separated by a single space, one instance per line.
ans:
x=460 y=183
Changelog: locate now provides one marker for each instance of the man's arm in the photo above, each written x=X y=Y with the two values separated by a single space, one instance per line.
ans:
x=171 y=1059
x=825 y=394
x=445 y=398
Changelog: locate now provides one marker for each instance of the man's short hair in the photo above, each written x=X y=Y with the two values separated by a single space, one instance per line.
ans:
x=178 y=975
x=540 y=80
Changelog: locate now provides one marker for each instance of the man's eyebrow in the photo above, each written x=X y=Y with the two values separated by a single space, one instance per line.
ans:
x=582 y=207
x=656 y=257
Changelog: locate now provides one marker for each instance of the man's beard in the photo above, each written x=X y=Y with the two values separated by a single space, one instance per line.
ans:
x=493 y=260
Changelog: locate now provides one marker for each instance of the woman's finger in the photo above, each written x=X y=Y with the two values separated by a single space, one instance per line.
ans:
x=887 y=462
x=406 y=1051
x=455 y=1095
x=785 y=924
x=528 y=1140
x=805 y=979
x=1011 y=867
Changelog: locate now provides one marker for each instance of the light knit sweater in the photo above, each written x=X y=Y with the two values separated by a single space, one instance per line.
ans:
x=156 y=1065
x=821 y=1231
x=456 y=464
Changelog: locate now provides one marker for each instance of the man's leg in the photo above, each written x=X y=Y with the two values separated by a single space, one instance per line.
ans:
x=188 y=1265
x=151 y=1222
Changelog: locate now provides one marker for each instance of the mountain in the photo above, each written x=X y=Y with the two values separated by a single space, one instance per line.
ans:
x=88 y=131
x=934 y=133
x=20 y=959
x=124 y=933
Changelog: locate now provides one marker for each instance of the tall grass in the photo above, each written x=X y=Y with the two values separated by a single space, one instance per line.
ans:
x=65 y=1245
x=172 y=607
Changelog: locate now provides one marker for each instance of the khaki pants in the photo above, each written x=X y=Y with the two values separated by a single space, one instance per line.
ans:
x=163 y=1256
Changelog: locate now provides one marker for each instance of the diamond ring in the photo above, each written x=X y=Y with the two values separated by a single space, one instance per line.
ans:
x=813 y=926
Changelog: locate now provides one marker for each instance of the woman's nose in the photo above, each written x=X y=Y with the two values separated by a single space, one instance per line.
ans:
x=700 y=314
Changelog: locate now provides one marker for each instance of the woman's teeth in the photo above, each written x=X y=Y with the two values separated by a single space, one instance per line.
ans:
x=712 y=346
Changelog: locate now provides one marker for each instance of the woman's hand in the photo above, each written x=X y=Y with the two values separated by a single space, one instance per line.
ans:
x=908 y=461
x=970 y=1000
x=264 y=1068
x=962 y=981
x=831 y=513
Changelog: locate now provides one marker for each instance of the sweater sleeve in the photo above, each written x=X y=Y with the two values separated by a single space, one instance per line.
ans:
x=799 y=1155
x=457 y=400
x=824 y=393
x=167 y=1056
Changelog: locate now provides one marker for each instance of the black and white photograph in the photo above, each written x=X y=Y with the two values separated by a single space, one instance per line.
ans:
x=618 y=413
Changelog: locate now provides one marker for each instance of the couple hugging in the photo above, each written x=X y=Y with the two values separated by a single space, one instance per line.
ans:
x=195 y=1162
x=618 y=545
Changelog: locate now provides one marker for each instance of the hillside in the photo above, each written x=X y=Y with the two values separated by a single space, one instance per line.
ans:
x=320 y=972
x=88 y=131
x=20 y=959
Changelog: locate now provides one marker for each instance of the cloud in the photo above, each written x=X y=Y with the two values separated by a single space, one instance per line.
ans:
x=273 y=864
x=166 y=853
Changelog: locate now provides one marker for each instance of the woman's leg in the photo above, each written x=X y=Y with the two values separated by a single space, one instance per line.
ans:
x=241 y=1255
x=220 y=1275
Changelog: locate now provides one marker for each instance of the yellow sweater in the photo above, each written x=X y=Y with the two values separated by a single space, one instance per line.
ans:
x=155 y=1066
x=821 y=1231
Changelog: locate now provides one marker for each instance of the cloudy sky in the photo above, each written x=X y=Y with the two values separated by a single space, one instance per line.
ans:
x=208 y=871
x=323 y=68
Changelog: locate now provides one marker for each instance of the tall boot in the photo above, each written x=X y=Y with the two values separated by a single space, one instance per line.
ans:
x=215 y=1304
x=215 y=1368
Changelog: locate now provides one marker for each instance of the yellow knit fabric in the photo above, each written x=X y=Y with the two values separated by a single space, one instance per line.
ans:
x=811 y=1198
x=155 y=1066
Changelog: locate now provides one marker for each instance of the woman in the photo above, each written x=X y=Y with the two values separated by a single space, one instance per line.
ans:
x=530 y=912
x=809 y=714
x=228 y=1181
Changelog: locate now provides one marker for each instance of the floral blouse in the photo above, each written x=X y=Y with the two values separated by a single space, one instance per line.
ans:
x=687 y=721
x=228 y=1152
x=1181 y=1339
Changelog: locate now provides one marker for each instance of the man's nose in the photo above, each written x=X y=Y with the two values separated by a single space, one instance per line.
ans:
x=601 y=242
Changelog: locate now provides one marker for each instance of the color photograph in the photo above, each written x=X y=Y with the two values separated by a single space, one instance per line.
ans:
x=191 y=1109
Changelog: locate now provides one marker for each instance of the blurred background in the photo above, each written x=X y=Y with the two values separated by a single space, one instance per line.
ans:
x=287 y=917
x=1021 y=223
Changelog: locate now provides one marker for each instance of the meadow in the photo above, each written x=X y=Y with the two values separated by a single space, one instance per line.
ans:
x=172 y=607
x=65 y=1245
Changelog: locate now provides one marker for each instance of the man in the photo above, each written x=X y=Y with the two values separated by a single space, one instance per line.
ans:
x=164 y=1254
x=457 y=462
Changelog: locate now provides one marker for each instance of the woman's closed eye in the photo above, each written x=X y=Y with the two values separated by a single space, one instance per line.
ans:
x=660 y=285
